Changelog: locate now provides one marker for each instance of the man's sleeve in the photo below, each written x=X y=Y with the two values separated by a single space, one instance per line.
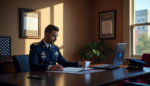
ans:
x=33 y=60
x=64 y=63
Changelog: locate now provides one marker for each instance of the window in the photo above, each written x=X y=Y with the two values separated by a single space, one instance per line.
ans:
x=138 y=19
x=139 y=27
x=143 y=17
x=136 y=16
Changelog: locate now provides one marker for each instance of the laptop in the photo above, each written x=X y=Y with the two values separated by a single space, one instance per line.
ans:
x=118 y=59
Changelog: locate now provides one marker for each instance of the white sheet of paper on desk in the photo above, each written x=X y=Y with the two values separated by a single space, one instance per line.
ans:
x=87 y=63
x=75 y=69
x=71 y=69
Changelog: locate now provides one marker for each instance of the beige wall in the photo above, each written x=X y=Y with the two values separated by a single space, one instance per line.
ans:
x=77 y=19
x=73 y=17
x=107 y=5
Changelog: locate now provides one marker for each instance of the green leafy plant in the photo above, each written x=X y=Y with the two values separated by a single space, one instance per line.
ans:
x=95 y=49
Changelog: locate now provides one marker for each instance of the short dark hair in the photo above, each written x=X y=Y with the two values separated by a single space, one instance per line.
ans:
x=49 y=28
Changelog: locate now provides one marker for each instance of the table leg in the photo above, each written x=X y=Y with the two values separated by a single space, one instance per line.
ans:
x=149 y=81
x=133 y=80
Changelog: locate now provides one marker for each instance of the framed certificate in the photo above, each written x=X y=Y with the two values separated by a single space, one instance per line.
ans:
x=107 y=24
x=30 y=26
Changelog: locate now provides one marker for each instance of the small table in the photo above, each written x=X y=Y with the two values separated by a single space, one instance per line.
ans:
x=7 y=66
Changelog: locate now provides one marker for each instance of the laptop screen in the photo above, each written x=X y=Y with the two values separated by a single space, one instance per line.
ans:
x=119 y=55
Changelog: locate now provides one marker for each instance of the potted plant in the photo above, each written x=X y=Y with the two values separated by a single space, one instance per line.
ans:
x=99 y=50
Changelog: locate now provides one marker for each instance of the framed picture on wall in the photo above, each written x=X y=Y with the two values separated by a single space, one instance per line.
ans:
x=107 y=24
x=30 y=26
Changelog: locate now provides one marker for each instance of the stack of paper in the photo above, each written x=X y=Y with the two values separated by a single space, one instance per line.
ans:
x=75 y=70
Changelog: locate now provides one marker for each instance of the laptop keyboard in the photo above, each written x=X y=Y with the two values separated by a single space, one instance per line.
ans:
x=108 y=65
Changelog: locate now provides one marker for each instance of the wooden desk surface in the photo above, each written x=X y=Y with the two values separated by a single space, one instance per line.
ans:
x=62 y=79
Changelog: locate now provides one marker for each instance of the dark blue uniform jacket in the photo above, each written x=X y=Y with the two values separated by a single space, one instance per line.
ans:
x=40 y=57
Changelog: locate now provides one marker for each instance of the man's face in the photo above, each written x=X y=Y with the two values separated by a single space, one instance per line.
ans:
x=52 y=37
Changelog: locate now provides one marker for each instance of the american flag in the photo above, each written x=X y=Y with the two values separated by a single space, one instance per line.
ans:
x=5 y=46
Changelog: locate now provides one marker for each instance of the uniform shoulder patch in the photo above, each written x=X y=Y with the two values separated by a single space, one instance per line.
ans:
x=37 y=43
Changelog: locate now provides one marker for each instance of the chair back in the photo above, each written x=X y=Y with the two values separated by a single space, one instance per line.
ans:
x=146 y=58
x=142 y=79
x=21 y=63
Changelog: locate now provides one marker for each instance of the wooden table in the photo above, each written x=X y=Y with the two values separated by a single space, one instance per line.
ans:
x=62 y=79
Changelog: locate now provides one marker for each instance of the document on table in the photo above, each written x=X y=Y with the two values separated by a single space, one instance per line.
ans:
x=77 y=70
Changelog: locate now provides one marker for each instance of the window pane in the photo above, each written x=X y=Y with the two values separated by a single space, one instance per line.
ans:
x=142 y=11
x=141 y=40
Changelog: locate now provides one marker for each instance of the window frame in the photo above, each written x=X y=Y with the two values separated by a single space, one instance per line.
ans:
x=129 y=24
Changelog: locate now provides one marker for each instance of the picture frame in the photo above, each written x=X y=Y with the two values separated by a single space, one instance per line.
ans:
x=107 y=24
x=30 y=23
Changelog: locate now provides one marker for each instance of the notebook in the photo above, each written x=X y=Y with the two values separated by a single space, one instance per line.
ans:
x=118 y=59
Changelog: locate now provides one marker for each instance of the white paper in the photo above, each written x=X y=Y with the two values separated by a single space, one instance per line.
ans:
x=87 y=63
x=76 y=70
x=71 y=69
x=30 y=22
x=107 y=27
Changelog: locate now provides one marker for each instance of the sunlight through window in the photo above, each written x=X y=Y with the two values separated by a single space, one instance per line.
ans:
x=58 y=21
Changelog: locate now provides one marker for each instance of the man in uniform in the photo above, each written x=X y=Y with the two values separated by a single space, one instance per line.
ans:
x=44 y=55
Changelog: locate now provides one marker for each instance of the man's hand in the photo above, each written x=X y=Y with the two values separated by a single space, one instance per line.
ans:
x=82 y=64
x=57 y=67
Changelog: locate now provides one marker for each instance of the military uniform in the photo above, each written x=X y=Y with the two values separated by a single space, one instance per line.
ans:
x=40 y=57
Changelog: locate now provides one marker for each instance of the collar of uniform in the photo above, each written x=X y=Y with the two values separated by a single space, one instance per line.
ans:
x=46 y=44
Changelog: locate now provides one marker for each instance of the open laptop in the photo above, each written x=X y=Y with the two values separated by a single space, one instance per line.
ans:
x=118 y=59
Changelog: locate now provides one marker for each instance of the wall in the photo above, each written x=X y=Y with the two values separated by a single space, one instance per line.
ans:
x=107 y=5
x=73 y=17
